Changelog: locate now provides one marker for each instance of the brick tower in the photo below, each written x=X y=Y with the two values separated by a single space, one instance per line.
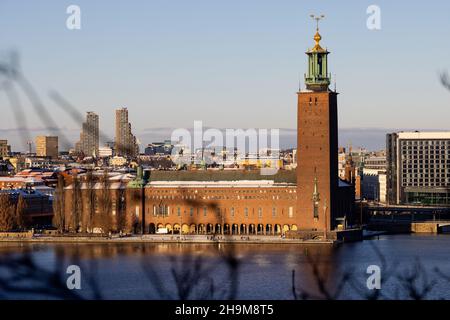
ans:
x=317 y=145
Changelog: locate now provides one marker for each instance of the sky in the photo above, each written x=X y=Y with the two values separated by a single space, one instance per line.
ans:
x=230 y=64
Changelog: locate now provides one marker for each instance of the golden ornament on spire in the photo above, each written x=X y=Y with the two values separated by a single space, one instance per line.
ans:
x=317 y=47
x=317 y=38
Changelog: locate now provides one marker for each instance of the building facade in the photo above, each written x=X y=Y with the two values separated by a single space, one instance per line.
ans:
x=374 y=178
x=5 y=149
x=89 y=136
x=38 y=209
x=224 y=207
x=418 y=168
x=105 y=152
x=125 y=142
x=342 y=160
x=47 y=146
x=159 y=148
x=6 y=168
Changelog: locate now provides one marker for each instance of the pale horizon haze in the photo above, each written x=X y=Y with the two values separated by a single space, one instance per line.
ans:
x=230 y=64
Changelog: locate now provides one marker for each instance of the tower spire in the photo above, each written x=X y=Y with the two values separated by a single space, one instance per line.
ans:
x=317 y=78
x=317 y=18
x=315 y=197
x=318 y=197
x=299 y=83
x=317 y=36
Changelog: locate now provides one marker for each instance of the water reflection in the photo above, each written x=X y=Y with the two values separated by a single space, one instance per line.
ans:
x=246 y=271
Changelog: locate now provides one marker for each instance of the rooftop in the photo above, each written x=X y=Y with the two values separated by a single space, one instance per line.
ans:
x=424 y=135
x=218 y=184
x=282 y=176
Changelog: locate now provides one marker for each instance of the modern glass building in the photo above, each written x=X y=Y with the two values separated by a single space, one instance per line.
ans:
x=418 y=168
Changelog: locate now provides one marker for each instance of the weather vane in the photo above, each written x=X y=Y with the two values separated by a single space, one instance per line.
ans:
x=317 y=18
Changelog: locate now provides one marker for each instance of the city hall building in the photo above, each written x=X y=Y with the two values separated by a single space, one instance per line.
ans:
x=229 y=207
x=311 y=199
x=233 y=202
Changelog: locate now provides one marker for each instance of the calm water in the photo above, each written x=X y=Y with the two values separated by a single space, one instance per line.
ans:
x=155 y=271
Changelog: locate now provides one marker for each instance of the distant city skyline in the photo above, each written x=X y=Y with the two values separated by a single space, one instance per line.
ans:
x=373 y=139
x=231 y=65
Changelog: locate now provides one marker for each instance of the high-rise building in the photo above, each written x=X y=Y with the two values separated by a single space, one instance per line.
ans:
x=89 y=136
x=47 y=146
x=418 y=168
x=125 y=141
x=318 y=193
x=5 y=149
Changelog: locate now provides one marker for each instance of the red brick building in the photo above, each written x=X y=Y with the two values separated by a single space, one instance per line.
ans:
x=205 y=206
x=312 y=199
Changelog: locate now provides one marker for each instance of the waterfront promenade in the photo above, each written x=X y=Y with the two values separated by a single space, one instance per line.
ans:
x=257 y=239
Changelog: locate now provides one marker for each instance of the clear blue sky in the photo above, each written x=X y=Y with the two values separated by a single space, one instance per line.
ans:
x=233 y=63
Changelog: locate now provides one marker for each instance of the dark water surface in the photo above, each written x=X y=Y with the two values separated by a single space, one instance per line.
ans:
x=411 y=266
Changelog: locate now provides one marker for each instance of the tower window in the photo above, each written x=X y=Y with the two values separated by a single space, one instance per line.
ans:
x=320 y=65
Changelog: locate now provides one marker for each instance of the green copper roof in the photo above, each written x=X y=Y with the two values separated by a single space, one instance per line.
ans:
x=286 y=176
x=317 y=78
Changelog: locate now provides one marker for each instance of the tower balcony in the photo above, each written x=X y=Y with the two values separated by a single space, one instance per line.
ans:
x=317 y=83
